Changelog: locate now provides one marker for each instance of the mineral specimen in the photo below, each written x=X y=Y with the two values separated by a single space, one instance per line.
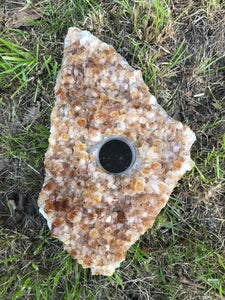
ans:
x=114 y=155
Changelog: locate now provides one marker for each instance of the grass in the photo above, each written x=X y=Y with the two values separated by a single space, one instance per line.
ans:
x=16 y=63
x=150 y=19
x=180 y=50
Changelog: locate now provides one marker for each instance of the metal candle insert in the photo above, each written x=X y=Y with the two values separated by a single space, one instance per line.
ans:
x=116 y=155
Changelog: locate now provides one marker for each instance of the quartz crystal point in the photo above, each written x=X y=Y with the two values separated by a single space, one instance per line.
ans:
x=98 y=212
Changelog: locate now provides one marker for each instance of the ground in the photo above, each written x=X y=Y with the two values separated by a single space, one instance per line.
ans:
x=179 y=46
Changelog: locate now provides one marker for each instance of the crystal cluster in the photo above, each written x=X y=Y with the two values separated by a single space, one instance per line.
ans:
x=97 y=214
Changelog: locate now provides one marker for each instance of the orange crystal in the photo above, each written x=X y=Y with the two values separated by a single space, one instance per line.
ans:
x=99 y=215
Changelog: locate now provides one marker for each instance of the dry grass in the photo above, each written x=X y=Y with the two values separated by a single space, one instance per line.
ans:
x=179 y=46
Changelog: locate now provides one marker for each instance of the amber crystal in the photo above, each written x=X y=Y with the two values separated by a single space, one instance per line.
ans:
x=96 y=212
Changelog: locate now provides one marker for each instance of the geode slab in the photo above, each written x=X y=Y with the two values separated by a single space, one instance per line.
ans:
x=114 y=155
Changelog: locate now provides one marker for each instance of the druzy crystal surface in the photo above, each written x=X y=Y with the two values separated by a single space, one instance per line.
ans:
x=98 y=214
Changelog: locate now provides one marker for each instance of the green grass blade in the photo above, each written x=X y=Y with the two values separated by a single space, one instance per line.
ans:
x=21 y=290
x=118 y=280
x=9 y=259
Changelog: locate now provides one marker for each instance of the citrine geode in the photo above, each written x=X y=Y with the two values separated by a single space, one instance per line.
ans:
x=97 y=214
